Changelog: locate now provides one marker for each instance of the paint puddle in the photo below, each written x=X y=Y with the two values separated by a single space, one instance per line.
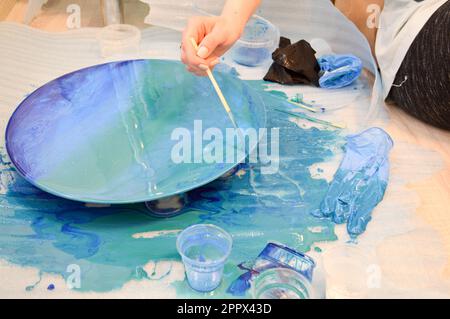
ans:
x=53 y=234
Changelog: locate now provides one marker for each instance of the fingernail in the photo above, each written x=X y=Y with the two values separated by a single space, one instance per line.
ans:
x=203 y=67
x=203 y=52
x=215 y=62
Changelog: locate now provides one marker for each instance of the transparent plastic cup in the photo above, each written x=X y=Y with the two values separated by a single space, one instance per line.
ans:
x=259 y=39
x=204 y=249
x=281 y=283
x=119 y=39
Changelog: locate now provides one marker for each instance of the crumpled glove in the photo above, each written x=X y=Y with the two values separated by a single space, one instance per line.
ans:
x=360 y=181
x=338 y=70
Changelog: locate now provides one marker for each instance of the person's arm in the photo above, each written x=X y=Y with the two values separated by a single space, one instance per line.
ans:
x=215 y=34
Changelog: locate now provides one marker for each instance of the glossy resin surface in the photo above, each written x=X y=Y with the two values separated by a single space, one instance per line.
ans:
x=106 y=134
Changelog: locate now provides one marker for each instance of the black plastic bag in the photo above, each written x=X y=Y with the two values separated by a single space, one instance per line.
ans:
x=294 y=63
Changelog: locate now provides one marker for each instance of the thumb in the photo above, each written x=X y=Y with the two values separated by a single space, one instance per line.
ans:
x=210 y=43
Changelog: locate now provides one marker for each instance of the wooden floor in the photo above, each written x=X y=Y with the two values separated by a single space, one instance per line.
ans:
x=434 y=192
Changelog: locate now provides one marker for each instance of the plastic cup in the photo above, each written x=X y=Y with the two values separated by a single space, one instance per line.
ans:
x=259 y=39
x=119 y=39
x=204 y=249
x=281 y=283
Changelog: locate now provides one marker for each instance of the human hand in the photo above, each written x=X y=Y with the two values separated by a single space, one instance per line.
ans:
x=215 y=36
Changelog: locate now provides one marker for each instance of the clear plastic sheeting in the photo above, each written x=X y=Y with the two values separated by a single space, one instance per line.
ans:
x=407 y=255
x=306 y=19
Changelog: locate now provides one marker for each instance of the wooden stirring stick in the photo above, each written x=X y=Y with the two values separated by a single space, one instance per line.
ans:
x=217 y=88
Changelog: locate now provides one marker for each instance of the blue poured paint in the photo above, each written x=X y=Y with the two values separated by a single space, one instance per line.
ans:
x=49 y=233
x=360 y=182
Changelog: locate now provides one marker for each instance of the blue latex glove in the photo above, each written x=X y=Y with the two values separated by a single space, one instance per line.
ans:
x=360 y=182
x=338 y=70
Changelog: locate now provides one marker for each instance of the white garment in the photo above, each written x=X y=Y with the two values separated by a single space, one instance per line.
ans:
x=400 y=22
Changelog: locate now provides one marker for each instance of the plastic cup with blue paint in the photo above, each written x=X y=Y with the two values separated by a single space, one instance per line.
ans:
x=259 y=39
x=204 y=249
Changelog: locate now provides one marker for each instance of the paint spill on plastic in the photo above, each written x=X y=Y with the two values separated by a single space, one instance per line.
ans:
x=50 y=233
